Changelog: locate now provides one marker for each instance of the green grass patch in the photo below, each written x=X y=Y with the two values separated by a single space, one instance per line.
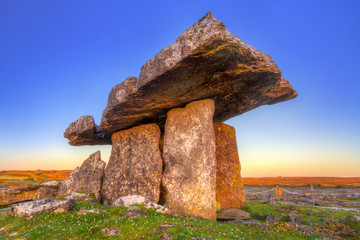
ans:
x=72 y=226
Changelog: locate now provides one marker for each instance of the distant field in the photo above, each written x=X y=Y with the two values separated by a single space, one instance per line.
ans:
x=300 y=181
x=26 y=178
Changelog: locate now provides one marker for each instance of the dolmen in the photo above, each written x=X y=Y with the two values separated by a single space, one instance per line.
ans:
x=169 y=142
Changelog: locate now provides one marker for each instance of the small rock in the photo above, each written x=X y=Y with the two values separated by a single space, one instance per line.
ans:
x=84 y=212
x=166 y=225
x=134 y=208
x=77 y=196
x=272 y=219
x=309 y=223
x=352 y=218
x=111 y=231
x=159 y=208
x=307 y=230
x=232 y=214
x=294 y=218
x=272 y=203
x=166 y=236
x=33 y=208
x=129 y=200
x=133 y=214
x=44 y=192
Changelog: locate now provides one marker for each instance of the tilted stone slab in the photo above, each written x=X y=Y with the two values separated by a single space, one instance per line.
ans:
x=206 y=61
x=87 y=177
x=189 y=157
x=15 y=195
x=22 y=194
x=229 y=184
x=135 y=165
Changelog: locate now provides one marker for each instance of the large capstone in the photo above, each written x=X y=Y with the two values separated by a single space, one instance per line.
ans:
x=135 y=165
x=205 y=62
x=189 y=157
x=88 y=177
x=229 y=184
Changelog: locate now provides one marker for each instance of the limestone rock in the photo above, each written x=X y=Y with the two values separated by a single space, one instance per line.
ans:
x=232 y=213
x=206 y=61
x=189 y=177
x=135 y=165
x=111 y=231
x=77 y=196
x=84 y=130
x=87 y=178
x=127 y=201
x=44 y=192
x=33 y=208
x=87 y=211
x=294 y=218
x=229 y=184
x=133 y=214
x=16 y=195
x=134 y=208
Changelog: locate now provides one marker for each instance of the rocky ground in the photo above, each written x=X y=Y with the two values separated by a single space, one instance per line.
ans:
x=333 y=197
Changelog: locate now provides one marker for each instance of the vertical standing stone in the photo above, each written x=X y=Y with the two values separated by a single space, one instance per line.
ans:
x=135 y=165
x=229 y=185
x=88 y=177
x=189 y=156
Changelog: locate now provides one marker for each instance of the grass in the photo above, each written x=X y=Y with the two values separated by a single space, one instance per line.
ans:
x=72 y=226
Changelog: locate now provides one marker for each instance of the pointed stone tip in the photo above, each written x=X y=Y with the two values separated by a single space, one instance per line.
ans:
x=96 y=155
x=208 y=16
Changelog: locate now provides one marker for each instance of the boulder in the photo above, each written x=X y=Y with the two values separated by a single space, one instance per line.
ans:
x=33 y=208
x=87 y=178
x=229 y=184
x=135 y=166
x=127 y=201
x=206 y=61
x=44 y=192
x=189 y=177
x=16 y=195
x=232 y=214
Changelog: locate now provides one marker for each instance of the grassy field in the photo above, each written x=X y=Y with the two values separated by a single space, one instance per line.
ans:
x=301 y=181
x=73 y=226
x=26 y=178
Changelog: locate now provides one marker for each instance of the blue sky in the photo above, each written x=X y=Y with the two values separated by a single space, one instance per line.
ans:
x=60 y=59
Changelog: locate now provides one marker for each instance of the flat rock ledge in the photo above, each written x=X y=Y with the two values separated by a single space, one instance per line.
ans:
x=205 y=62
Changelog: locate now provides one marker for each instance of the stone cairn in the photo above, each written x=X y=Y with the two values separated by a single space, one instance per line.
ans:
x=169 y=144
